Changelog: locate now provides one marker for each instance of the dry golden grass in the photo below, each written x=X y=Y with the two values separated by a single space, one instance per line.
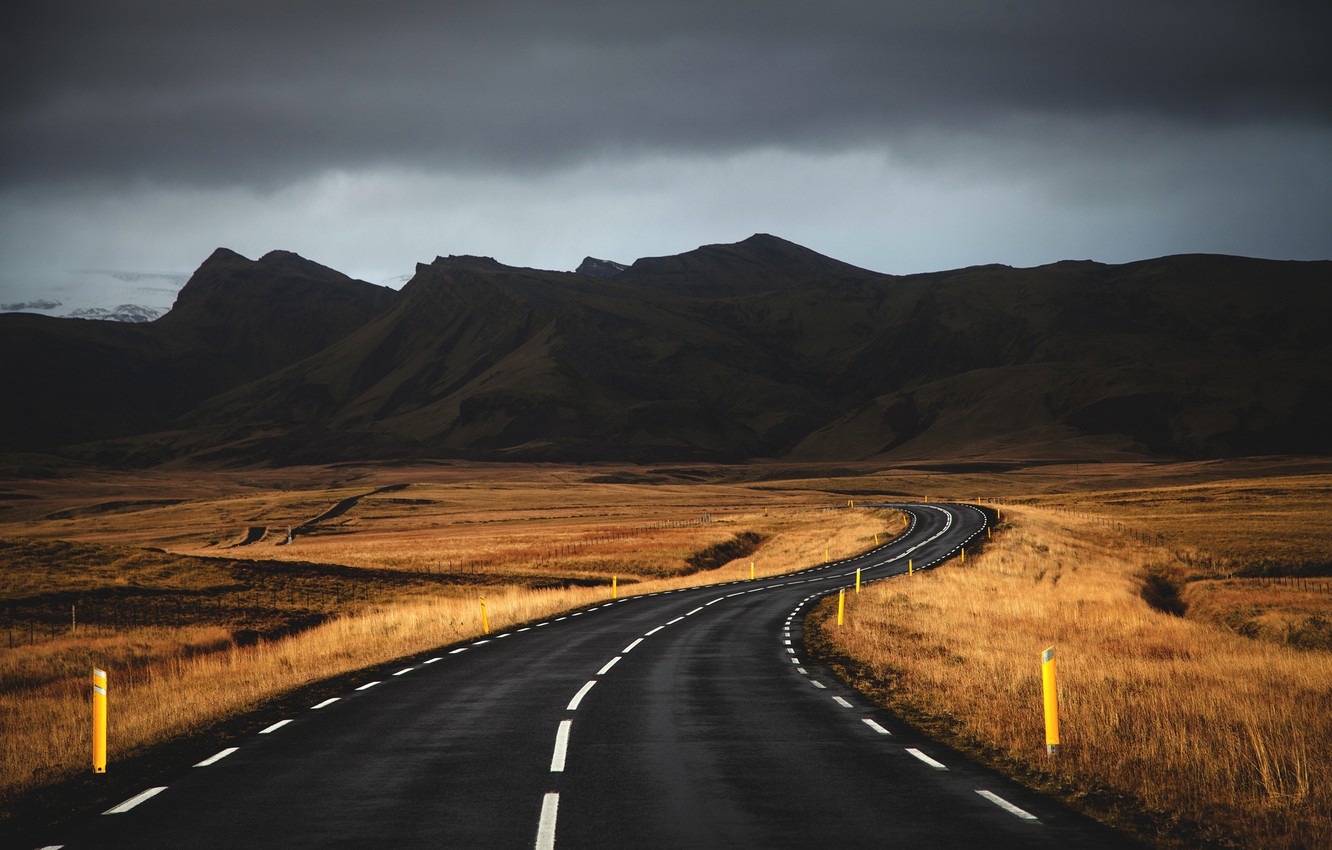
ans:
x=1162 y=718
x=396 y=578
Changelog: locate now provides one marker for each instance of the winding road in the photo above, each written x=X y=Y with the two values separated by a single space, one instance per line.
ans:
x=684 y=719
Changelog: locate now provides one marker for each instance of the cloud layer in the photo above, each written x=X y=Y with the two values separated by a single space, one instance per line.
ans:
x=533 y=126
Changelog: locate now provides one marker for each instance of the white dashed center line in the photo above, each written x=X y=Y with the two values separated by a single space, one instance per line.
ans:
x=561 y=746
x=404 y=671
x=653 y=632
x=325 y=704
x=550 y=806
x=609 y=664
x=843 y=703
x=274 y=727
x=673 y=622
x=630 y=647
x=578 y=697
x=367 y=686
x=876 y=727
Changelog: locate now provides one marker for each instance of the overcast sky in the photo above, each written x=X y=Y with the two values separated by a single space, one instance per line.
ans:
x=899 y=136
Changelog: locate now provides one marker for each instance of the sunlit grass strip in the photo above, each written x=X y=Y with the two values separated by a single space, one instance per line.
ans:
x=1160 y=716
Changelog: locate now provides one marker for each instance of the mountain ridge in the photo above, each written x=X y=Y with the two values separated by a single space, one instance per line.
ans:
x=755 y=349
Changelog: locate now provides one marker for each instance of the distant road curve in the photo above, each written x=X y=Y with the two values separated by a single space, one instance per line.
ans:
x=682 y=719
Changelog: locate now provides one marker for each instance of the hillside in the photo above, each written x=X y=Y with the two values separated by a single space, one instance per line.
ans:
x=757 y=349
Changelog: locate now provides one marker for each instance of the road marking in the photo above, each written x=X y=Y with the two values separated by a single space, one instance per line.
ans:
x=561 y=746
x=432 y=660
x=141 y=797
x=795 y=660
x=217 y=757
x=802 y=671
x=458 y=650
x=817 y=683
x=715 y=601
x=1007 y=806
x=695 y=611
x=931 y=762
x=525 y=629
x=737 y=593
x=506 y=634
x=673 y=622
x=404 y=670
x=843 y=703
x=876 y=727
x=653 y=632
x=609 y=664
x=577 y=614
x=480 y=642
x=367 y=686
x=550 y=807
x=559 y=619
x=275 y=727
x=578 y=697
x=539 y=625
x=52 y=847
x=325 y=704
x=630 y=647
x=791 y=650
x=787 y=642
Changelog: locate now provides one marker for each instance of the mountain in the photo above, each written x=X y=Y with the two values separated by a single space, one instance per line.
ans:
x=760 y=348
x=132 y=313
x=236 y=320
x=592 y=267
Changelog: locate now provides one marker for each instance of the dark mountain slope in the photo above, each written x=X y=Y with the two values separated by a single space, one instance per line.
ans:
x=758 y=349
x=234 y=321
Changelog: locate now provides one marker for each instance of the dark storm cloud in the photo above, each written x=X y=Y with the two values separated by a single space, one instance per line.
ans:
x=217 y=93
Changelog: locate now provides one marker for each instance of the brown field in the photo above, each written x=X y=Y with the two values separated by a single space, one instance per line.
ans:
x=1211 y=726
x=1194 y=710
x=140 y=574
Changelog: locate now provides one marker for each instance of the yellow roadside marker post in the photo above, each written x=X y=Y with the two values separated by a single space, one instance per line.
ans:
x=825 y=556
x=615 y=588
x=876 y=538
x=99 y=720
x=841 y=604
x=751 y=570
x=964 y=554
x=485 y=621
x=910 y=567
x=1051 y=702
x=857 y=579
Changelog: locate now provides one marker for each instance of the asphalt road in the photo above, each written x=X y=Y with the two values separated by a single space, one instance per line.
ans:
x=688 y=719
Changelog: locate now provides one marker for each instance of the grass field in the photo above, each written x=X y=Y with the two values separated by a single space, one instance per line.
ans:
x=195 y=628
x=1189 y=605
x=1180 y=719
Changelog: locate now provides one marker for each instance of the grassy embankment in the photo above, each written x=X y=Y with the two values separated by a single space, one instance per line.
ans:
x=189 y=640
x=1178 y=719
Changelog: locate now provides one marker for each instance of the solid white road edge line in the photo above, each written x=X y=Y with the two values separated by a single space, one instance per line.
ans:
x=876 y=727
x=217 y=757
x=561 y=746
x=275 y=726
x=931 y=762
x=578 y=697
x=609 y=664
x=550 y=807
x=1007 y=806
x=141 y=797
